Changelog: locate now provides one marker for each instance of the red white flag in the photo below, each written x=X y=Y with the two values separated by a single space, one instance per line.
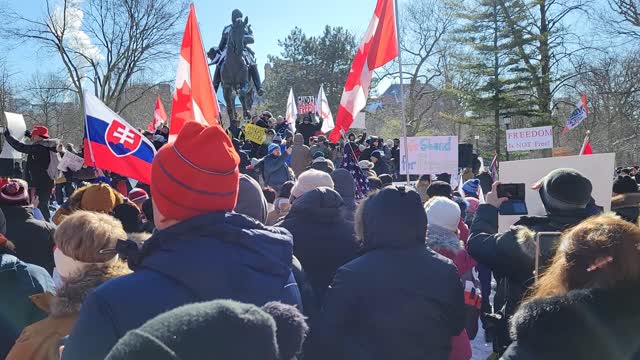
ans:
x=578 y=115
x=379 y=46
x=194 y=99
x=292 y=111
x=324 y=111
x=159 y=116
x=586 y=146
x=494 y=168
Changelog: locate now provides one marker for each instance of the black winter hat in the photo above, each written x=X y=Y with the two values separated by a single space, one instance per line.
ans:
x=392 y=218
x=221 y=329
x=292 y=328
x=386 y=180
x=565 y=189
x=624 y=185
x=440 y=188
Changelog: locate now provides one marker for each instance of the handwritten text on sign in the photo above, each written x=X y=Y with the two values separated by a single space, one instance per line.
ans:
x=530 y=139
x=306 y=104
x=254 y=133
x=430 y=155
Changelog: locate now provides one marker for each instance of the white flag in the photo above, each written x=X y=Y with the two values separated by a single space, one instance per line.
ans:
x=323 y=109
x=292 y=111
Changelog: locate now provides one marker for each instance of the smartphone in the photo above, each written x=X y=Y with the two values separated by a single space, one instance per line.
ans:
x=511 y=191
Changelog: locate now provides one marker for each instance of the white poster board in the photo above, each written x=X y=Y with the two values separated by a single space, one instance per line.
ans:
x=70 y=161
x=430 y=155
x=358 y=122
x=17 y=127
x=598 y=168
x=530 y=139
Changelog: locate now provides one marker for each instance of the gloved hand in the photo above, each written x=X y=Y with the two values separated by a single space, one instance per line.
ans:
x=27 y=133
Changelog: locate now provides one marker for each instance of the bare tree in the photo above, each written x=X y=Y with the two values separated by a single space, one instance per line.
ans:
x=424 y=26
x=7 y=91
x=626 y=20
x=105 y=43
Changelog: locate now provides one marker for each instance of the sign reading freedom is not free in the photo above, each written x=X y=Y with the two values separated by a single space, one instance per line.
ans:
x=530 y=139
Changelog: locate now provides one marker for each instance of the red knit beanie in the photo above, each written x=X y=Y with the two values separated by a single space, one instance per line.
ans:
x=196 y=174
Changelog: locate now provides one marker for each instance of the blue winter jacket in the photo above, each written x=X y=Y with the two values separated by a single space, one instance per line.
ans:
x=211 y=256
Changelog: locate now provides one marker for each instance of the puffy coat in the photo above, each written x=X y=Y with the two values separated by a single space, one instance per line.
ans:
x=587 y=324
x=275 y=171
x=37 y=160
x=41 y=340
x=381 y=167
x=399 y=300
x=323 y=240
x=308 y=130
x=345 y=186
x=300 y=157
x=211 y=256
x=511 y=256
x=33 y=238
x=18 y=281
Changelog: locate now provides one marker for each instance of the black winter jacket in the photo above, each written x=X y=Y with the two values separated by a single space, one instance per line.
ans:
x=37 y=160
x=511 y=256
x=323 y=240
x=588 y=324
x=33 y=238
x=308 y=130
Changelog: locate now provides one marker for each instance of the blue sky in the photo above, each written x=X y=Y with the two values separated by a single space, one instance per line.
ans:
x=271 y=20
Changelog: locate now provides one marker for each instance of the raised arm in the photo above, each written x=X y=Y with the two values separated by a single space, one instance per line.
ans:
x=18 y=145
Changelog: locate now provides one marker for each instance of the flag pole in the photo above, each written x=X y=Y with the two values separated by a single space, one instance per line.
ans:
x=405 y=159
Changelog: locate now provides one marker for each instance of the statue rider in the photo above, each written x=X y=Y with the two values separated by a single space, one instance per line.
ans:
x=217 y=55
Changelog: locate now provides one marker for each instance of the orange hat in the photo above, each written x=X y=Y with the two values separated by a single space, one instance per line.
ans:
x=196 y=174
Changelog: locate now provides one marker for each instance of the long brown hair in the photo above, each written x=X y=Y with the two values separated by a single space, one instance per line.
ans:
x=600 y=237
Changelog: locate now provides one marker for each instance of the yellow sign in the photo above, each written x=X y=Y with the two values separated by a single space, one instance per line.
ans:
x=254 y=133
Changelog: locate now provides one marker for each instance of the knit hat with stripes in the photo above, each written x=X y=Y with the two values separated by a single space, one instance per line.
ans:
x=196 y=174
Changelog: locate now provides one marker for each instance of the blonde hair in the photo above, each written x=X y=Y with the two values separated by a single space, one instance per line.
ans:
x=580 y=248
x=83 y=234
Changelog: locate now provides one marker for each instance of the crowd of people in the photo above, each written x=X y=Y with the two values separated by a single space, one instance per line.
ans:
x=296 y=248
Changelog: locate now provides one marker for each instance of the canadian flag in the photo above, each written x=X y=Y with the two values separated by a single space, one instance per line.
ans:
x=324 y=111
x=586 y=146
x=159 y=116
x=194 y=99
x=379 y=46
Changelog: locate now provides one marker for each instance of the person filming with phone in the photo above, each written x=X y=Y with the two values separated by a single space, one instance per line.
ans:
x=566 y=196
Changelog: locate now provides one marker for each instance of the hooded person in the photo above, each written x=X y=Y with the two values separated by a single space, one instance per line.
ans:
x=367 y=167
x=345 y=185
x=319 y=162
x=323 y=240
x=251 y=200
x=198 y=237
x=442 y=237
x=81 y=265
x=626 y=199
x=307 y=128
x=565 y=194
x=275 y=171
x=33 y=239
x=373 y=146
x=220 y=329
x=38 y=159
x=19 y=280
x=379 y=163
x=399 y=300
x=281 y=205
x=300 y=157
x=95 y=197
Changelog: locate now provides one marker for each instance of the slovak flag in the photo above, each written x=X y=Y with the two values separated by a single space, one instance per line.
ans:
x=379 y=46
x=115 y=145
x=578 y=115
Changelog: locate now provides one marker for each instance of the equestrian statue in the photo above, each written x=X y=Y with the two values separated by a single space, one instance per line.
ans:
x=236 y=65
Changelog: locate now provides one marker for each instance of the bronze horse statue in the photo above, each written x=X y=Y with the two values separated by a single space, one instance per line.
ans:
x=235 y=72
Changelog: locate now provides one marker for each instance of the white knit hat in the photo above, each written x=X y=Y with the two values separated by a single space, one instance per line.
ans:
x=365 y=165
x=443 y=212
x=309 y=180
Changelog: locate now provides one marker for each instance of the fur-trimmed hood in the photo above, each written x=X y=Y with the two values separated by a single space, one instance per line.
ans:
x=625 y=201
x=439 y=238
x=71 y=295
x=583 y=324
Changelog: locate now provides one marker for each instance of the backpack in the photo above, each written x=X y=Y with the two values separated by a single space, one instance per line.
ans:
x=54 y=162
x=472 y=301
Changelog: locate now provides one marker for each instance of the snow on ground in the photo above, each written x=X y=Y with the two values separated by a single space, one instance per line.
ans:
x=479 y=349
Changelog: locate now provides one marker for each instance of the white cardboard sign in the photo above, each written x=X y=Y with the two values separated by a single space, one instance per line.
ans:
x=17 y=127
x=430 y=155
x=70 y=161
x=598 y=168
x=530 y=139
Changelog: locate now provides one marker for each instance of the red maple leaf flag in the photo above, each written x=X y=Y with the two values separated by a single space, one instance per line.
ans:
x=159 y=116
x=194 y=99
x=586 y=146
x=378 y=47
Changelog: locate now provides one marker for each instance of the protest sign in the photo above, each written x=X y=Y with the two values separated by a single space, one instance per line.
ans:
x=598 y=168
x=358 y=122
x=530 y=139
x=17 y=127
x=430 y=155
x=70 y=161
x=254 y=133
x=306 y=104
